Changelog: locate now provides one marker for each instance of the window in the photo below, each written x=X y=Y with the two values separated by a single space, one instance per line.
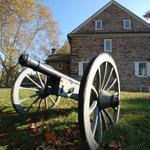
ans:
x=142 y=69
x=82 y=67
x=60 y=65
x=107 y=45
x=127 y=24
x=98 y=25
x=144 y=88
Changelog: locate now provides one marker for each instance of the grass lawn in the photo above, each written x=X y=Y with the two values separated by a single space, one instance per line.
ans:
x=58 y=128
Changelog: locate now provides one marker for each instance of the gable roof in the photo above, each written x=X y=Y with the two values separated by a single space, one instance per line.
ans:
x=105 y=7
x=58 y=58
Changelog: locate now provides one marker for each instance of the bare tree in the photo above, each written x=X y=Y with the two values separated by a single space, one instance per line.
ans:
x=64 y=49
x=25 y=26
x=147 y=15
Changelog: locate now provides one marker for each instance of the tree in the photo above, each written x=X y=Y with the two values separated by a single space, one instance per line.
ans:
x=25 y=26
x=147 y=15
x=64 y=49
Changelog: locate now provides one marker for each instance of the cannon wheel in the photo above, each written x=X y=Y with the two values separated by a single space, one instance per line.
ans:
x=28 y=93
x=99 y=98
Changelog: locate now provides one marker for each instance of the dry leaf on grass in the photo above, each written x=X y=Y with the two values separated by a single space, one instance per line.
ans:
x=34 y=128
x=50 y=137
x=114 y=146
x=72 y=133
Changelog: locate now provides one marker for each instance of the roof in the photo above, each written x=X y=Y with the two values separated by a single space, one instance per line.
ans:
x=105 y=7
x=58 y=58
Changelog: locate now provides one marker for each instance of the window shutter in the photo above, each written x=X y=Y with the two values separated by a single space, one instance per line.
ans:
x=96 y=25
x=80 y=69
x=148 y=69
x=136 y=69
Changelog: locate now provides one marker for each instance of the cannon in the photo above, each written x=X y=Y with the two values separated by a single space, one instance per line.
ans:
x=98 y=93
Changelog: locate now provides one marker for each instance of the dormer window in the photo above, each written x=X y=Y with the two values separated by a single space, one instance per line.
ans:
x=98 y=25
x=127 y=24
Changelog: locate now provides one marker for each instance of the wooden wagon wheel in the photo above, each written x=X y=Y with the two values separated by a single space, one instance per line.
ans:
x=99 y=98
x=28 y=93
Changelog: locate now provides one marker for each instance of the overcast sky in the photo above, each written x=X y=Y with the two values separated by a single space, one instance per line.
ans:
x=71 y=13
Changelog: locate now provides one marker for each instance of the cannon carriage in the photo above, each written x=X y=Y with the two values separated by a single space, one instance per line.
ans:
x=98 y=94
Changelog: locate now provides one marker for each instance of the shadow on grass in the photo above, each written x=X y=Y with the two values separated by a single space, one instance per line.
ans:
x=15 y=134
x=131 y=133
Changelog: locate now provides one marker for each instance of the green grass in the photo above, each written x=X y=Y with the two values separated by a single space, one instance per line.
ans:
x=132 y=132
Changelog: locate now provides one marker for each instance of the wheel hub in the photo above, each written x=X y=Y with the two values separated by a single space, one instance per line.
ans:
x=106 y=100
x=43 y=92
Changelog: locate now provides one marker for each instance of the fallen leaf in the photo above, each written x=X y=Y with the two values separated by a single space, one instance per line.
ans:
x=34 y=128
x=50 y=137
x=114 y=146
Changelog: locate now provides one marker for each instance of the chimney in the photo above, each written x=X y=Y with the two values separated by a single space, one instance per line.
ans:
x=53 y=51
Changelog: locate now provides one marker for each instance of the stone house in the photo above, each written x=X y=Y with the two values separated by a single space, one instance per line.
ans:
x=126 y=37
x=60 y=62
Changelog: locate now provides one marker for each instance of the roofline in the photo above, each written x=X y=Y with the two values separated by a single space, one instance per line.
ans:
x=90 y=18
x=131 y=13
x=111 y=35
x=105 y=7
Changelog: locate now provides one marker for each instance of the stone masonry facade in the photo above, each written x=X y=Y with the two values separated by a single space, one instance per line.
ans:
x=129 y=46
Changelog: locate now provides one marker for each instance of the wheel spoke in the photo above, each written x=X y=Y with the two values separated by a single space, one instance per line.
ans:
x=99 y=74
x=38 y=108
x=109 y=116
x=115 y=115
x=30 y=106
x=94 y=125
x=51 y=99
x=33 y=81
x=99 y=128
x=108 y=78
x=46 y=103
x=104 y=120
x=94 y=89
x=40 y=79
x=92 y=107
x=104 y=78
x=112 y=84
x=29 y=89
x=25 y=99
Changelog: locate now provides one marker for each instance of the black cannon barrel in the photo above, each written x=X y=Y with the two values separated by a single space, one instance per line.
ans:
x=27 y=61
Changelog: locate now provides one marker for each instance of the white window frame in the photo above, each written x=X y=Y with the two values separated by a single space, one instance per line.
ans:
x=80 y=67
x=124 y=24
x=96 y=25
x=105 y=47
x=142 y=86
x=147 y=69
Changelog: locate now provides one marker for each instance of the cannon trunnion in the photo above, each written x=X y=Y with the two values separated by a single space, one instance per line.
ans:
x=98 y=94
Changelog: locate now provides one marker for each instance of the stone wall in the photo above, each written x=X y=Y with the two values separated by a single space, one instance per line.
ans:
x=112 y=20
x=126 y=50
x=64 y=69
x=128 y=45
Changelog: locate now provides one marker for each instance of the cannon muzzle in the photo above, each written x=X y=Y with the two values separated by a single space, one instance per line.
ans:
x=26 y=61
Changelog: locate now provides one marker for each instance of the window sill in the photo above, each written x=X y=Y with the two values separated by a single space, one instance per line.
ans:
x=142 y=76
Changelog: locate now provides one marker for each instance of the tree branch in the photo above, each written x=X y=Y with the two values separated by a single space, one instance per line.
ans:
x=3 y=64
x=32 y=38
x=16 y=35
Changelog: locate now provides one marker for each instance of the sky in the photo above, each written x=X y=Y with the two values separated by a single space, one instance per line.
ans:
x=71 y=13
